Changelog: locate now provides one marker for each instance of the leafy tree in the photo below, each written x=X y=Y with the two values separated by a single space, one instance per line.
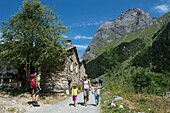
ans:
x=32 y=37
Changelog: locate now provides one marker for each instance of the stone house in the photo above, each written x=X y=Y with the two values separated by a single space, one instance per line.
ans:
x=56 y=79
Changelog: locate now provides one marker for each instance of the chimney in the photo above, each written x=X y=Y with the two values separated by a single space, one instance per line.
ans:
x=68 y=43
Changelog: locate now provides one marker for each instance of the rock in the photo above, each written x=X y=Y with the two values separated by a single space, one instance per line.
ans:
x=121 y=107
x=14 y=101
x=61 y=94
x=57 y=91
x=129 y=21
x=6 y=95
x=117 y=98
x=113 y=104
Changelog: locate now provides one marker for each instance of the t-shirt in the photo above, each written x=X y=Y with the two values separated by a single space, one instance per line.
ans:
x=74 y=91
x=86 y=84
x=38 y=78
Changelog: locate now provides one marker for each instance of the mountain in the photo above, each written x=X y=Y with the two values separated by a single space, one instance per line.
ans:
x=129 y=21
x=135 y=67
x=138 y=48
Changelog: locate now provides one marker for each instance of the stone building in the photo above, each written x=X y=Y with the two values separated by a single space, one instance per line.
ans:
x=82 y=68
x=56 y=79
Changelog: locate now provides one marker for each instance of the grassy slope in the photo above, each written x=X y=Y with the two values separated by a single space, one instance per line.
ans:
x=132 y=102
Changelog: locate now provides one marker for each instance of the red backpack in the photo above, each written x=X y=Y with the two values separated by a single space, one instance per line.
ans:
x=32 y=81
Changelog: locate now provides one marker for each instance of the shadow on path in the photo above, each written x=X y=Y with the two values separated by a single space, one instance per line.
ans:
x=71 y=104
x=82 y=104
x=33 y=103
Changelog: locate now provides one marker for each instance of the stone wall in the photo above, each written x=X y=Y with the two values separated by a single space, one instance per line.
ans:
x=56 y=78
x=8 y=77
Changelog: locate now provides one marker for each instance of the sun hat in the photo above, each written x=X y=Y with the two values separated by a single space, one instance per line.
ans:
x=75 y=85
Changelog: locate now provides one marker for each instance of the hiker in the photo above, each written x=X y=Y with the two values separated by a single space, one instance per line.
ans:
x=33 y=85
x=86 y=86
x=101 y=81
x=38 y=79
x=95 y=81
x=74 y=93
x=95 y=92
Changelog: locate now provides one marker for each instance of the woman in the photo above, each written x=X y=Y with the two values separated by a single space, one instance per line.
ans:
x=86 y=88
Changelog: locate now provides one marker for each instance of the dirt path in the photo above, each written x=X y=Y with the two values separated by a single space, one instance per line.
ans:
x=66 y=106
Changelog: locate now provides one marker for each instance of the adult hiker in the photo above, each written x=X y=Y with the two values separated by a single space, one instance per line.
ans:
x=38 y=79
x=86 y=86
x=101 y=81
x=35 y=86
x=95 y=81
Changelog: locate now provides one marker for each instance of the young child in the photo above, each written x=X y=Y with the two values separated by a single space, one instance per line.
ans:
x=96 y=94
x=74 y=93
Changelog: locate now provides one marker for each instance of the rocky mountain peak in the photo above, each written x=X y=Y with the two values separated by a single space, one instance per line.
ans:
x=128 y=21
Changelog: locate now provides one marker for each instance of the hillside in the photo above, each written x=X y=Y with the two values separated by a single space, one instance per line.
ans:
x=137 y=68
x=118 y=29
x=126 y=47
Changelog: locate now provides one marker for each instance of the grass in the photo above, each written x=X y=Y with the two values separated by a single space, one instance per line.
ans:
x=132 y=102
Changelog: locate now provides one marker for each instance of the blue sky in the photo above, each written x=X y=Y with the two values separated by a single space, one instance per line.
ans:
x=83 y=17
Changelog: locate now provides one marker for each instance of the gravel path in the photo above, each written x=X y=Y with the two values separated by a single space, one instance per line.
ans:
x=66 y=106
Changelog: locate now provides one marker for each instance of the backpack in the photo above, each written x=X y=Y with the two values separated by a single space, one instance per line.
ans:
x=33 y=81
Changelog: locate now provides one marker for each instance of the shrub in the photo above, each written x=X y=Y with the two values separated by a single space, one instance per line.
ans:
x=146 y=81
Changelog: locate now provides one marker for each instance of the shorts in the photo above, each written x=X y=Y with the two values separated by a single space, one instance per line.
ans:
x=86 y=94
x=36 y=91
x=97 y=98
x=74 y=97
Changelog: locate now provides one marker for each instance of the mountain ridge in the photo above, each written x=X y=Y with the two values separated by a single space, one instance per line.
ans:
x=127 y=22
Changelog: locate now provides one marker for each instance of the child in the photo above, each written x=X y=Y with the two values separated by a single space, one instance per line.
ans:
x=74 y=93
x=96 y=94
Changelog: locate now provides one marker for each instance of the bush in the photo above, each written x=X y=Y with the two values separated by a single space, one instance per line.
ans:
x=146 y=81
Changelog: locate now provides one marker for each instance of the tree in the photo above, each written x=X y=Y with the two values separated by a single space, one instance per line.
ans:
x=32 y=37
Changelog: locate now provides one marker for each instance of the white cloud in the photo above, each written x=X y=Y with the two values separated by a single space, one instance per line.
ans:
x=81 y=47
x=162 y=8
x=82 y=37
x=88 y=23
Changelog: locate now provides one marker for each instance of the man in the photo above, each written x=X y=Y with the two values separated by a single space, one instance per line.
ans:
x=38 y=79
x=33 y=86
x=86 y=86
